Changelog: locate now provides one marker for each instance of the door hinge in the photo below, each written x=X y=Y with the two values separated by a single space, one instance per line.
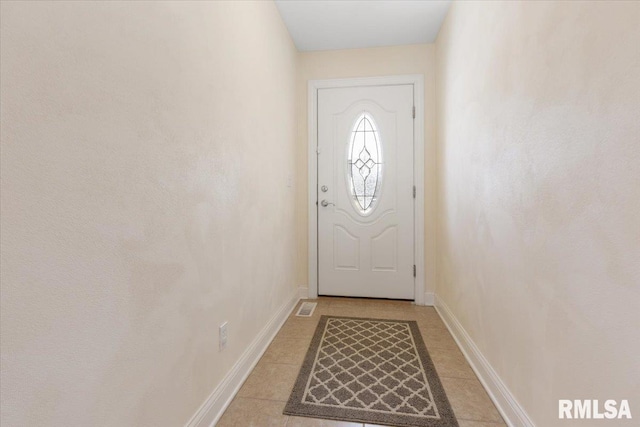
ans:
x=414 y=270
x=414 y=112
x=414 y=191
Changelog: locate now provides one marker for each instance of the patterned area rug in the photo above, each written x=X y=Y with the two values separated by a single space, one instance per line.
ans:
x=371 y=371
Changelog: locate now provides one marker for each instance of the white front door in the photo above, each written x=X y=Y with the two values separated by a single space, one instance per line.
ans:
x=365 y=191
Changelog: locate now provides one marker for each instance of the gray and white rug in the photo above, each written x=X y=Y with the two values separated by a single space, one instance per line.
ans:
x=371 y=371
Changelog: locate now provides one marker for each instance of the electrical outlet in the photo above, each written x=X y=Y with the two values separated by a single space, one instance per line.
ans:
x=222 y=336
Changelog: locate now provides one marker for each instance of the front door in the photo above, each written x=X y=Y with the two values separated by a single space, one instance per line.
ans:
x=365 y=192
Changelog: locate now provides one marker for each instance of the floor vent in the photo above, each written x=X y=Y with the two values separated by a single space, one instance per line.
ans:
x=306 y=309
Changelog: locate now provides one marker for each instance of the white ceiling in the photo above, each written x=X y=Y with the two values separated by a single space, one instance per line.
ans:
x=347 y=24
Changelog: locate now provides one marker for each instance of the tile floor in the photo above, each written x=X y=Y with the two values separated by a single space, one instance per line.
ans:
x=260 y=401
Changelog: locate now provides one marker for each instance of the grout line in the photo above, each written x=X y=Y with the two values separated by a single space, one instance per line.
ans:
x=498 y=423
x=282 y=363
x=267 y=400
x=458 y=378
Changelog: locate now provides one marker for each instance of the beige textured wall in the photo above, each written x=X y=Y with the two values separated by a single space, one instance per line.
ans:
x=146 y=148
x=383 y=61
x=539 y=195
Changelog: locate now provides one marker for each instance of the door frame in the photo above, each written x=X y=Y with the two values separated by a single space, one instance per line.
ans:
x=417 y=80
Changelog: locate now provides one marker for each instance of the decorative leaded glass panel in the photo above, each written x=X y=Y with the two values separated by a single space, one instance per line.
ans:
x=364 y=163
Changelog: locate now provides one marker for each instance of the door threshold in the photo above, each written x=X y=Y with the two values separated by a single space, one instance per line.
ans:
x=366 y=298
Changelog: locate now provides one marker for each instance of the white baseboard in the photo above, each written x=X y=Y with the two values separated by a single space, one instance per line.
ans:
x=429 y=298
x=212 y=409
x=513 y=414
x=303 y=292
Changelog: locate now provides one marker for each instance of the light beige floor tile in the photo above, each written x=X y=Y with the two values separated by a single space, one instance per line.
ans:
x=298 y=328
x=450 y=363
x=344 y=311
x=429 y=318
x=262 y=397
x=286 y=350
x=271 y=381
x=315 y=422
x=468 y=423
x=323 y=311
x=437 y=338
x=347 y=302
x=361 y=313
x=369 y=312
x=391 y=314
x=391 y=305
x=367 y=304
x=469 y=400
x=322 y=301
x=244 y=412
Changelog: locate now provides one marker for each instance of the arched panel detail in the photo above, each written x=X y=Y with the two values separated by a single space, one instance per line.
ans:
x=384 y=256
x=346 y=249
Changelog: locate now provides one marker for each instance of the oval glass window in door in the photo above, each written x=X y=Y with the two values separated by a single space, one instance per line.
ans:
x=364 y=163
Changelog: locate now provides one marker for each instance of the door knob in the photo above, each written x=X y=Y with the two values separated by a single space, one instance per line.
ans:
x=324 y=203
